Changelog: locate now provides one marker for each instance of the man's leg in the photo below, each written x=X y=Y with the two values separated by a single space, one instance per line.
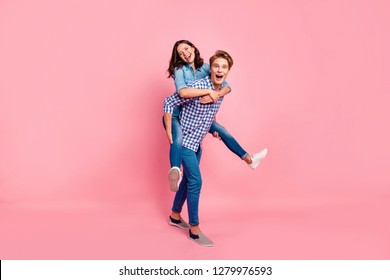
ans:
x=194 y=183
x=175 y=218
x=180 y=196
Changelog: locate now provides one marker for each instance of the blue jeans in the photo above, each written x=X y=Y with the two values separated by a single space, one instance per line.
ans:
x=189 y=188
x=228 y=139
x=177 y=137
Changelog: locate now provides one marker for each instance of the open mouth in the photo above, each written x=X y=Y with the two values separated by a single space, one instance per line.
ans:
x=219 y=77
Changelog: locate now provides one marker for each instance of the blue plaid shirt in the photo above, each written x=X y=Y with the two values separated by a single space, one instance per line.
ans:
x=186 y=74
x=195 y=118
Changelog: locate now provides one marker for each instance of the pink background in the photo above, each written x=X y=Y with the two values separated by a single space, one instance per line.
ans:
x=84 y=157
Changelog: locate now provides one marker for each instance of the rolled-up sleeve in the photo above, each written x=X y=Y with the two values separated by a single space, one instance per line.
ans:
x=174 y=101
x=180 y=81
x=226 y=84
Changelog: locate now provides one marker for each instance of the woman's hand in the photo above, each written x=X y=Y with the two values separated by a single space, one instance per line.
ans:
x=206 y=99
x=213 y=96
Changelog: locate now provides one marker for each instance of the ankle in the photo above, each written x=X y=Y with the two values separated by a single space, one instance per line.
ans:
x=248 y=159
x=175 y=215
x=195 y=229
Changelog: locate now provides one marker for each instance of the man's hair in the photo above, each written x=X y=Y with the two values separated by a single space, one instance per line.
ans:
x=222 y=54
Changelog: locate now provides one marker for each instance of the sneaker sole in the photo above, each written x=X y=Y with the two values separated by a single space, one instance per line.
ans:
x=174 y=177
x=263 y=154
x=200 y=244
x=178 y=226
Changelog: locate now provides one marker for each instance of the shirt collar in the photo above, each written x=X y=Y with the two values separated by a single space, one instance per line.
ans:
x=190 y=68
x=210 y=83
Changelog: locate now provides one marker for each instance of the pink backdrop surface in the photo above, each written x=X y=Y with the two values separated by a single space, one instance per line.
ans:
x=84 y=157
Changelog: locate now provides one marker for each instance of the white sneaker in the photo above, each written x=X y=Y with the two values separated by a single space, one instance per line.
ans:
x=174 y=177
x=257 y=158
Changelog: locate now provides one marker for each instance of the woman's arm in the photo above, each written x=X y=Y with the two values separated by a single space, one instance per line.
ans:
x=225 y=90
x=195 y=92
x=207 y=99
x=185 y=92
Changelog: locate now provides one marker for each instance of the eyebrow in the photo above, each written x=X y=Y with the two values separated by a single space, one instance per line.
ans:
x=216 y=64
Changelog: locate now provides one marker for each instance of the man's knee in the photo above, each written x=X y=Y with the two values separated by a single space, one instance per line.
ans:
x=194 y=185
x=198 y=182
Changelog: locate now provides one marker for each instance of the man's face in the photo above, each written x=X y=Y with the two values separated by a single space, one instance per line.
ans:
x=219 y=70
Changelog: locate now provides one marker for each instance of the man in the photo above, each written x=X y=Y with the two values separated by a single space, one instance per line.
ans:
x=195 y=119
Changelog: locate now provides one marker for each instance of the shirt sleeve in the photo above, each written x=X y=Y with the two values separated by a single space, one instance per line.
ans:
x=206 y=68
x=174 y=101
x=226 y=84
x=179 y=79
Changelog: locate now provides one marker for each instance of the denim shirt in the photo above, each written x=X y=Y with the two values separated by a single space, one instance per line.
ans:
x=184 y=75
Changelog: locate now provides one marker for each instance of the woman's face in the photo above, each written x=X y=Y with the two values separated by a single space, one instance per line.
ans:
x=186 y=52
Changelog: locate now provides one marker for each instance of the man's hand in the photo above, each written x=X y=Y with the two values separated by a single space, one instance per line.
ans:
x=169 y=135
x=216 y=135
x=168 y=126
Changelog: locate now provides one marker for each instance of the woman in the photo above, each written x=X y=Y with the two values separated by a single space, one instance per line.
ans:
x=186 y=65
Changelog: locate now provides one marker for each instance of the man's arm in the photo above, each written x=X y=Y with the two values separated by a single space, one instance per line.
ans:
x=170 y=103
x=168 y=126
x=215 y=133
x=174 y=101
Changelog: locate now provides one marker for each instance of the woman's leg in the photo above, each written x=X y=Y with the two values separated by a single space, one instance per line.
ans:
x=229 y=140
x=252 y=161
x=174 y=175
x=175 y=148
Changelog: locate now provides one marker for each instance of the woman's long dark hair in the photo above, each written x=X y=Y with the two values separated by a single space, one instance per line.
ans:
x=177 y=62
